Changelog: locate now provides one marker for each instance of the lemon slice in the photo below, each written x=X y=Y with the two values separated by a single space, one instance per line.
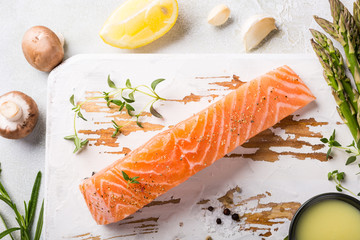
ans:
x=139 y=22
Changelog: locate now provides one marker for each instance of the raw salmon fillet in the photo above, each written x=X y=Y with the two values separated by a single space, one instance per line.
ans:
x=172 y=156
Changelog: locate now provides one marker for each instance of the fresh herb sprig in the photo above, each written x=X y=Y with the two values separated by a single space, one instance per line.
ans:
x=352 y=149
x=25 y=222
x=339 y=177
x=117 y=128
x=79 y=143
x=123 y=98
x=129 y=179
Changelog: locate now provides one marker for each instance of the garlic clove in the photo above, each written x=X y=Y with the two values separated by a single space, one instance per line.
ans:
x=11 y=111
x=256 y=29
x=218 y=15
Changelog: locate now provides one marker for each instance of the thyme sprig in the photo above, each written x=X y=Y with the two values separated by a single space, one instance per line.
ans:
x=129 y=179
x=25 y=222
x=353 y=149
x=339 y=177
x=123 y=98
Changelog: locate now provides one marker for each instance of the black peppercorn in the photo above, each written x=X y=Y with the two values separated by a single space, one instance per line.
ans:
x=226 y=211
x=218 y=221
x=235 y=217
x=210 y=208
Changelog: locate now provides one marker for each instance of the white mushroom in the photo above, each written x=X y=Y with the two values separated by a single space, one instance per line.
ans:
x=42 y=48
x=18 y=115
x=218 y=15
x=255 y=29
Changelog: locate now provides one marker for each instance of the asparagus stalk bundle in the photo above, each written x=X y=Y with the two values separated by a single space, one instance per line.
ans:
x=345 y=29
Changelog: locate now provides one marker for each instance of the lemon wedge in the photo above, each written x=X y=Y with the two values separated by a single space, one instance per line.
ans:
x=139 y=22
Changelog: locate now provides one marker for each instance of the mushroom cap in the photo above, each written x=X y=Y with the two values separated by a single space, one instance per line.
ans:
x=42 y=48
x=26 y=123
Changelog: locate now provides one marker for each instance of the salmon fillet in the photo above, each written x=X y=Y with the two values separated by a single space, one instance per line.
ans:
x=172 y=156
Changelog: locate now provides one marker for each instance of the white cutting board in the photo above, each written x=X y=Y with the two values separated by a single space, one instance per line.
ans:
x=271 y=190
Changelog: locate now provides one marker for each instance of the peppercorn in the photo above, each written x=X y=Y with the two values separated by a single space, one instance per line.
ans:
x=226 y=212
x=210 y=208
x=235 y=217
x=218 y=221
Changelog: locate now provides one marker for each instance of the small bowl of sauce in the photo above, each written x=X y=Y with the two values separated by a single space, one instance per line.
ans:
x=328 y=216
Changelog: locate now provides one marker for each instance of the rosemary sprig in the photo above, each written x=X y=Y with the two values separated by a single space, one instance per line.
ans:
x=129 y=179
x=123 y=97
x=25 y=222
x=339 y=177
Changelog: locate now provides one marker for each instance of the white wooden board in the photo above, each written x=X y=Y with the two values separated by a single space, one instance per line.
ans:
x=287 y=168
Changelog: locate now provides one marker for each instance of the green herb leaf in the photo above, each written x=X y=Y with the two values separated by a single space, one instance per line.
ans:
x=116 y=102
x=340 y=176
x=33 y=200
x=117 y=128
x=70 y=137
x=129 y=109
x=324 y=140
x=6 y=227
x=111 y=83
x=332 y=137
x=125 y=176
x=81 y=116
x=134 y=181
x=107 y=98
x=330 y=176
x=77 y=143
x=72 y=100
x=128 y=100
x=350 y=160
x=131 y=96
x=128 y=83
x=122 y=106
x=358 y=194
x=115 y=124
x=328 y=154
x=156 y=82
x=154 y=112
x=358 y=144
x=84 y=143
x=39 y=223
x=128 y=179
x=338 y=189
x=336 y=144
x=8 y=231
x=139 y=124
x=352 y=144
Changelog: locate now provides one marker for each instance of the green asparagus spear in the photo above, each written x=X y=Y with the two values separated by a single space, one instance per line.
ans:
x=356 y=13
x=345 y=109
x=338 y=66
x=328 y=27
x=347 y=33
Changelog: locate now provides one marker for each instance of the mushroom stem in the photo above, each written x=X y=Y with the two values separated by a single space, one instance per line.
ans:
x=11 y=111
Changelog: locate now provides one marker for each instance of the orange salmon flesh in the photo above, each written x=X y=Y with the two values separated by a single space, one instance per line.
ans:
x=174 y=155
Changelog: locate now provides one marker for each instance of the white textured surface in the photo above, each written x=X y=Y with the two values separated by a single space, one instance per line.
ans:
x=79 y=21
x=66 y=170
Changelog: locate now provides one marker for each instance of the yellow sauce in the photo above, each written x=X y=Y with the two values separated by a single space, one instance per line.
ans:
x=329 y=220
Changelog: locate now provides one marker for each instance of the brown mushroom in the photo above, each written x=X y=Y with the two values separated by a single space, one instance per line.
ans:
x=42 y=48
x=18 y=115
